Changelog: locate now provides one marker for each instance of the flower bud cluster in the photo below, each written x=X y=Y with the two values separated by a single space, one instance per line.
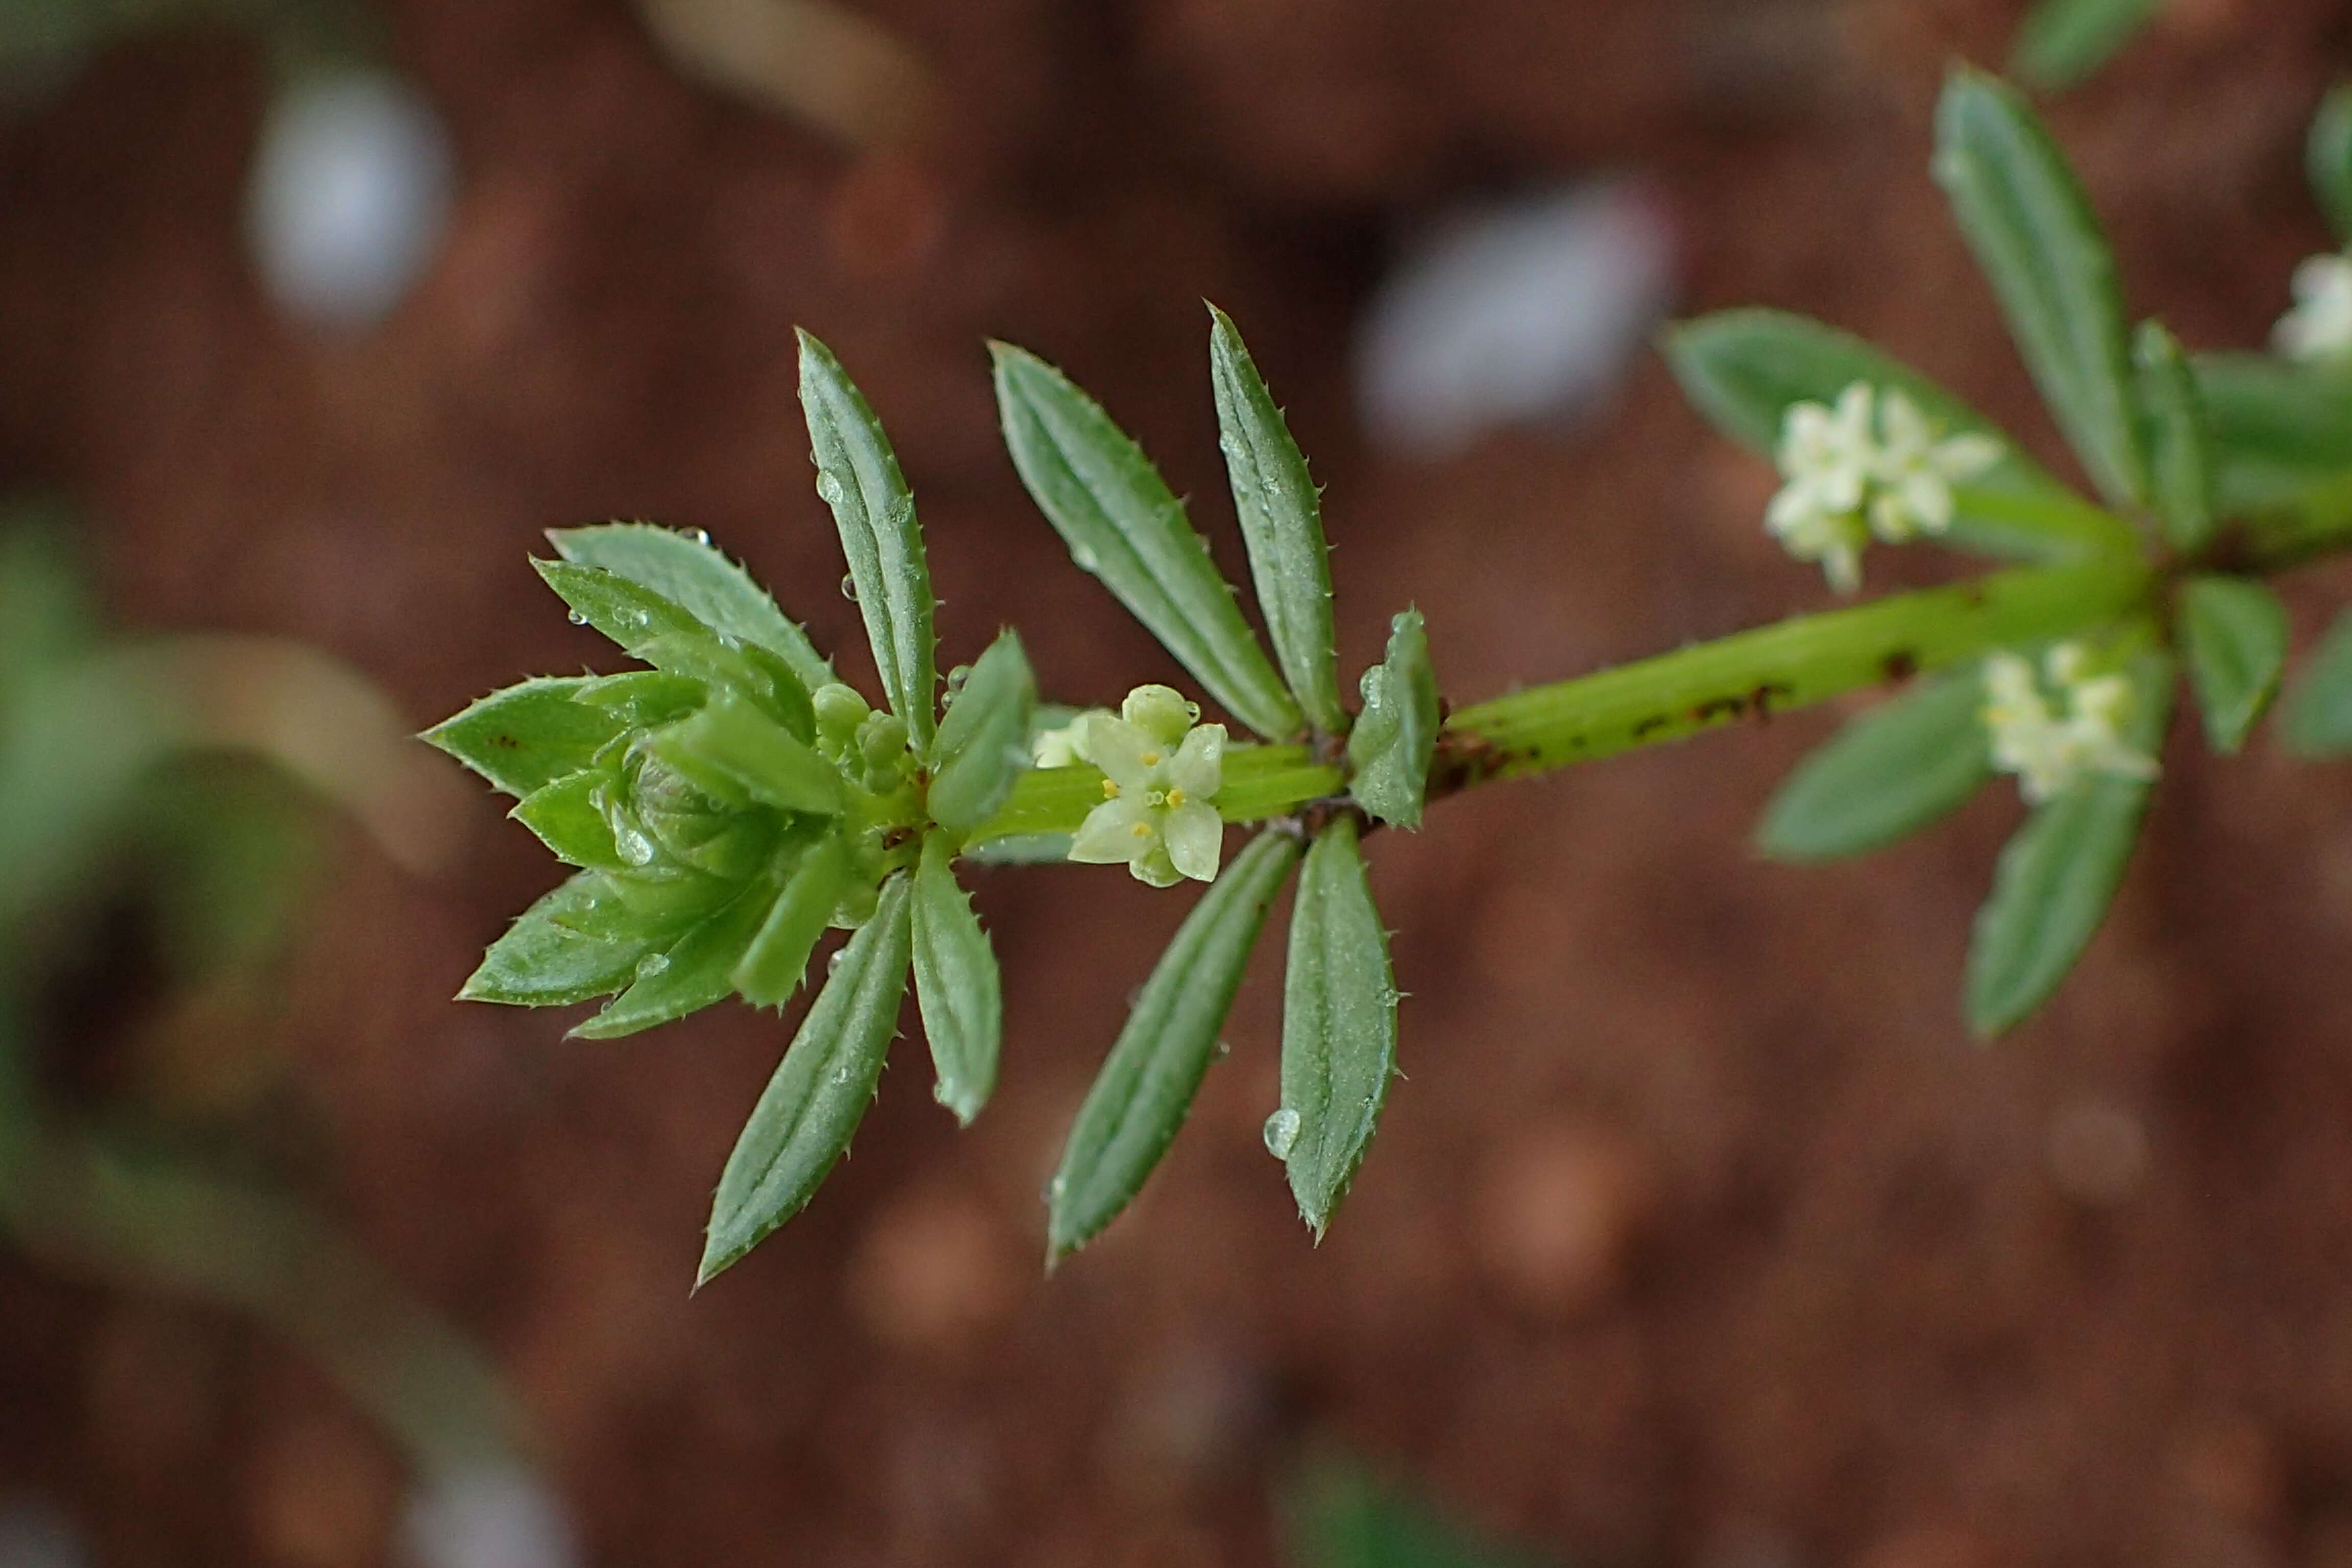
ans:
x=2056 y=730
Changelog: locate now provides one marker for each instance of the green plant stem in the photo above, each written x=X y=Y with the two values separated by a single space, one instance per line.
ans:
x=1754 y=674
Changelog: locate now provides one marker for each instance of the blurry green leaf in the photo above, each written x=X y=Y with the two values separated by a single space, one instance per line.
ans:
x=1396 y=734
x=230 y=850
x=2315 y=721
x=2281 y=432
x=1121 y=523
x=983 y=742
x=1282 y=524
x=47 y=615
x=2058 y=872
x=1742 y=369
x=2026 y=217
x=2180 y=462
x=1338 y=1027
x=572 y=945
x=859 y=478
x=1911 y=762
x=956 y=984
x=527 y=736
x=2064 y=41
x=805 y=1116
x=2234 y=635
x=1339 y=1517
x=2327 y=158
x=667 y=636
x=735 y=752
x=569 y=818
x=773 y=967
x=686 y=569
x=691 y=974
x=1147 y=1083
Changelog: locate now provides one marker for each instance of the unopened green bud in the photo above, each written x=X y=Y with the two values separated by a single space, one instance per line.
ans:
x=839 y=710
x=1160 y=712
x=882 y=739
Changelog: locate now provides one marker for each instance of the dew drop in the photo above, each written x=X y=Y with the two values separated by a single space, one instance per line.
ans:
x=833 y=963
x=850 y=588
x=651 y=964
x=1084 y=557
x=577 y=619
x=828 y=489
x=700 y=536
x=634 y=846
x=1281 y=1132
x=1224 y=1049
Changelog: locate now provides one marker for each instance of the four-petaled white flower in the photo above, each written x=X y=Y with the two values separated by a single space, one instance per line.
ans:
x=1872 y=465
x=2319 y=327
x=1160 y=776
x=2052 y=746
x=1914 y=472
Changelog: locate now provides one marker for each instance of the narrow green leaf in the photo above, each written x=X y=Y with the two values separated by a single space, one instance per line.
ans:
x=2315 y=719
x=1339 y=1516
x=734 y=752
x=2064 y=41
x=670 y=639
x=691 y=974
x=574 y=944
x=1148 y=1081
x=857 y=476
x=1282 y=524
x=1338 y=1027
x=570 y=820
x=820 y=1091
x=687 y=570
x=2057 y=874
x=983 y=742
x=2281 y=432
x=527 y=736
x=2234 y=635
x=2181 y=460
x=772 y=968
x=2327 y=158
x=1743 y=369
x=1396 y=734
x=956 y=984
x=1121 y=523
x=2026 y=217
x=1910 y=762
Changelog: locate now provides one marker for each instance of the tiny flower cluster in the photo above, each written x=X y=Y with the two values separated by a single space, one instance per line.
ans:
x=2318 y=329
x=1161 y=772
x=1871 y=466
x=2052 y=746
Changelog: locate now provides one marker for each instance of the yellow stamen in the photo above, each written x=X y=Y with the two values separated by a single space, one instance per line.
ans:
x=1141 y=830
x=1150 y=759
x=1110 y=790
x=1175 y=798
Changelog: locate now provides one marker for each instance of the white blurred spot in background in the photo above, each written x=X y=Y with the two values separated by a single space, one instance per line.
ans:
x=491 y=1516
x=1526 y=309
x=350 y=197
x=34 y=1534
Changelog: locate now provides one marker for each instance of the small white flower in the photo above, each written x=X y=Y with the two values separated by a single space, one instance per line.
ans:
x=1913 y=472
x=1825 y=458
x=2052 y=744
x=1060 y=748
x=2319 y=327
x=1161 y=773
x=1873 y=465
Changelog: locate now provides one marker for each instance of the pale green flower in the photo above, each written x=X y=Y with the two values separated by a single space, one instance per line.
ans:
x=1160 y=776
x=2319 y=327
x=2064 y=727
x=1059 y=748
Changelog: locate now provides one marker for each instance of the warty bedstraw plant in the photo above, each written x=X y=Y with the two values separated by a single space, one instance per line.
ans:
x=727 y=804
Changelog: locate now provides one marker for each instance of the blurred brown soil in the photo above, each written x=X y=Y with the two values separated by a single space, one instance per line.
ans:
x=1701 y=1233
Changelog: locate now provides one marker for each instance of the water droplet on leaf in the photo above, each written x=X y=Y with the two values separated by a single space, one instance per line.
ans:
x=1281 y=1132
x=828 y=489
x=577 y=617
x=651 y=964
x=850 y=588
x=833 y=963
